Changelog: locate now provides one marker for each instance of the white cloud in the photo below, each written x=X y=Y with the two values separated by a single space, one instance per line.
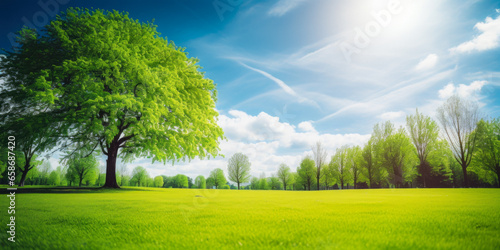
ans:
x=427 y=63
x=264 y=139
x=284 y=6
x=472 y=89
x=392 y=115
x=306 y=126
x=462 y=90
x=447 y=91
x=488 y=39
x=242 y=127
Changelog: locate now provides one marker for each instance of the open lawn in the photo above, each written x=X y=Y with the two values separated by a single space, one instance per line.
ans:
x=187 y=218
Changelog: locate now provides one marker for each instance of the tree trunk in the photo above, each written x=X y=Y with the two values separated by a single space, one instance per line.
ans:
x=111 y=167
x=466 y=180
x=238 y=186
x=25 y=173
x=498 y=176
x=80 y=183
x=317 y=179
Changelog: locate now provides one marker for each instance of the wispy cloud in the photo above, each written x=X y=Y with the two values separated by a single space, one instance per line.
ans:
x=427 y=63
x=284 y=6
x=394 y=97
x=281 y=84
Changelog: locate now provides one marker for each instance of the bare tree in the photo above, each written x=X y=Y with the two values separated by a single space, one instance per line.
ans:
x=319 y=158
x=459 y=118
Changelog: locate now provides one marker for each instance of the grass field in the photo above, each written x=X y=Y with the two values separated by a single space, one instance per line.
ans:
x=215 y=219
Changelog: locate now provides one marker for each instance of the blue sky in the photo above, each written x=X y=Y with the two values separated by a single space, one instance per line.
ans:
x=292 y=72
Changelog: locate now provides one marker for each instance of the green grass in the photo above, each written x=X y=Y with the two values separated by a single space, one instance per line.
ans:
x=179 y=219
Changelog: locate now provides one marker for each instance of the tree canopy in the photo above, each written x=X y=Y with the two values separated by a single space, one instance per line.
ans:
x=238 y=168
x=117 y=85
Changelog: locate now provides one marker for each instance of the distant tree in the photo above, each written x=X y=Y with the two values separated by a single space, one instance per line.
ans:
x=254 y=183
x=284 y=175
x=181 y=181
x=158 y=181
x=190 y=182
x=150 y=182
x=424 y=133
x=319 y=154
x=125 y=180
x=123 y=172
x=218 y=177
x=54 y=178
x=354 y=159
x=292 y=181
x=370 y=168
x=298 y=184
x=459 y=119
x=231 y=186
x=340 y=165
x=81 y=166
x=238 y=168
x=210 y=183
x=488 y=146
x=275 y=183
x=140 y=176
x=200 y=182
x=307 y=171
x=395 y=152
x=263 y=184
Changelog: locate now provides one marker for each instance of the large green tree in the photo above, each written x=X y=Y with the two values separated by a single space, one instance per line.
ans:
x=238 y=168
x=369 y=165
x=394 y=152
x=158 y=181
x=284 y=175
x=218 y=178
x=200 y=182
x=354 y=161
x=488 y=146
x=424 y=134
x=120 y=86
x=180 y=181
x=307 y=172
x=341 y=167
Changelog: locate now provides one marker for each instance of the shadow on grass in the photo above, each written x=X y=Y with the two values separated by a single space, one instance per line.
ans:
x=70 y=190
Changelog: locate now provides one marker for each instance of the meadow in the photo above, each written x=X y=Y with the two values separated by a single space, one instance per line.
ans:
x=150 y=218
